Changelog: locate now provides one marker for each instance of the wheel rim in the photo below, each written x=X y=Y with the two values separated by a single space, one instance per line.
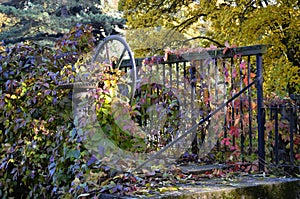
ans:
x=116 y=47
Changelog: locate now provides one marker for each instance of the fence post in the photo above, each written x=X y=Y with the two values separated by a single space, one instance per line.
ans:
x=260 y=112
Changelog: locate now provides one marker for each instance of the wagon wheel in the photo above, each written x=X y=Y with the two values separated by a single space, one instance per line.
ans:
x=113 y=50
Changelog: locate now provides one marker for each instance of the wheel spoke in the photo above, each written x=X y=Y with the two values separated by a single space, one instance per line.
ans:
x=121 y=58
x=116 y=47
x=106 y=51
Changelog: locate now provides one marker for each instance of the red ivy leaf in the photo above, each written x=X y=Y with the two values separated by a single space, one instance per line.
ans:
x=243 y=65
x=234 y=131
x=297 y=156
x=225 y=50
x=245 y=80
x=226 y=141
x=234 y=73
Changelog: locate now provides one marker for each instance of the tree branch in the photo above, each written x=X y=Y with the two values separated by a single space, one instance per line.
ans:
x=38 y=37
x=194 y=38
x=206 y=38
x=188 y=22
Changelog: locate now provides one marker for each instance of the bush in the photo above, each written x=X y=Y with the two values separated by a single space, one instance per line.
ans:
x=39 y=153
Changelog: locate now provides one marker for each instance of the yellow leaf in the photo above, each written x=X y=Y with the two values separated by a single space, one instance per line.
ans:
x=165 y=189
x=13 y=97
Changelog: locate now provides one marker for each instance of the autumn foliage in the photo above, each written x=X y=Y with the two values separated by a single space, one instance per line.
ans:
x=42 y=154
x=243 y=23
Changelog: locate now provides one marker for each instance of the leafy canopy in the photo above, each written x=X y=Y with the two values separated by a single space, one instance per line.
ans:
x=240 y=22
x=45 y=21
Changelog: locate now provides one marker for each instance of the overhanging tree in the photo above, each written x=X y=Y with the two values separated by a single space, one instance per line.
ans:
x=46 y=21
x=240 y=22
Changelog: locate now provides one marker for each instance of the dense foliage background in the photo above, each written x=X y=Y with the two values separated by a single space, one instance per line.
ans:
x=239 y=22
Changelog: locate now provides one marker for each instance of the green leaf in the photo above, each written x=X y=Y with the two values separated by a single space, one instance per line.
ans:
x=71 y=153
